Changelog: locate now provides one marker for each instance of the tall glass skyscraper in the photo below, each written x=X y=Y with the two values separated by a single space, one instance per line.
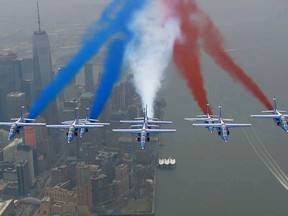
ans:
x=10 y=79
x=43 y=74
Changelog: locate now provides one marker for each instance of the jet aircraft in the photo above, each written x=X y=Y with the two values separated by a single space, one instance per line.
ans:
x=76 y=126
x=145 y=127
x=277 y=115
x=19 y=123
x=208 y=119
x=221 y=126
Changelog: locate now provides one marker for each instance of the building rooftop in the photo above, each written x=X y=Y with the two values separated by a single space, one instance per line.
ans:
x=16 y=94
x=87 y=95
x=4 y=205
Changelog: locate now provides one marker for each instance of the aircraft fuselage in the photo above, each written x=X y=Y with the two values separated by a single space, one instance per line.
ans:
x=13 y=130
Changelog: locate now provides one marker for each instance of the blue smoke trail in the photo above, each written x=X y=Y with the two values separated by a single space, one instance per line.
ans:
x=112 y=66
x=112 y=20
x=111 y=74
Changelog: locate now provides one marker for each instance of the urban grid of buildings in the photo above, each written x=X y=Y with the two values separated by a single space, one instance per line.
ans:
x=41 y=174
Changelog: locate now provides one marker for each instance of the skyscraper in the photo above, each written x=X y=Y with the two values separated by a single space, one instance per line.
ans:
x=17 y=151
x=42 y=77
x=23 y=178
x=84 y=193
x=14 y=101
x=43 y=69
x=89 y=80
x=10 y=79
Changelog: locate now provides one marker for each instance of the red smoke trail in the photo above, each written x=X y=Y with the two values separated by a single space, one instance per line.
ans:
x=186 y=54
x=213 y=45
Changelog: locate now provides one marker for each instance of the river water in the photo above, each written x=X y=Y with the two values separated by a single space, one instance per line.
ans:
x=212 y=177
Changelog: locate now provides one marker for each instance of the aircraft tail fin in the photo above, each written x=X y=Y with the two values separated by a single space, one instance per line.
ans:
x=274 y=108
x=21 y=112
x=268 y=111
x=220 y=112
x=76 y=115
x=275 y=104
x=208 y=109
x=87 y=114
x=201 y=115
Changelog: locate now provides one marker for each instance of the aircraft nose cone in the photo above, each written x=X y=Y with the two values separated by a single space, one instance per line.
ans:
x=10 y=136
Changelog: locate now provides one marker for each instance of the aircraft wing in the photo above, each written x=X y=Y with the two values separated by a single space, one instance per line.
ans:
x=7 y=123
x=97 y=123
x=160 y=130
x=29 y=119
x=265 y=116
x=14 y=119
x=142 y=118
x=132 y=121
x=88 y=126
x=159 y=122
x=59 y=126
x=215 y=125
x=149 y=122
x=197 y=119
x=68 y=122
x=201 y=119
x=127 y=130
x=237 y=125
x=30 y=124
x=228 y=120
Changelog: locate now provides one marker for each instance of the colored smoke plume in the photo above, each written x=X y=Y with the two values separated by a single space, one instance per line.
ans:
x=213 y=45
x=110 y=75
x=196 y=26
x=150 y=51
x=186 y=54
x=113 y=63
x=112 y=20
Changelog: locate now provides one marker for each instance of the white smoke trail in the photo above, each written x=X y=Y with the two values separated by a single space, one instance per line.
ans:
x=150 y=51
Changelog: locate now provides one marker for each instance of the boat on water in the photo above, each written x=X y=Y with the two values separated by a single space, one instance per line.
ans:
x=167 y=163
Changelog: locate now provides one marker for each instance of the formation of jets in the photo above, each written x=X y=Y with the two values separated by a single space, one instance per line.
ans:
x=18 y=124
x=144 y=126
x=208 y=119
x=279 y=118
x=78 y=126
x=218 y=123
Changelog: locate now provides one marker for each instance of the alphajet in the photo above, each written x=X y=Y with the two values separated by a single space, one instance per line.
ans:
x=19 y=123
x=77 y=125
x=207 y=119
x=279 y=118
x=144 y=127
x=221 y=126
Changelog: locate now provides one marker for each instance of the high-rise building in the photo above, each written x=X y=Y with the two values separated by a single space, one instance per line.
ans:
x=84 y=192
x=14 y=101
x=102 y=191
x=23 y=178
x=26 y=68
x=86 y=102
x=58 y=201
x=25 y=152
x=60 y=174
x=89 y=80
x=27 y=87
x=17 y=151
x=43 y=74
x=10 y=79
x=121 y=180
x=42 y=61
